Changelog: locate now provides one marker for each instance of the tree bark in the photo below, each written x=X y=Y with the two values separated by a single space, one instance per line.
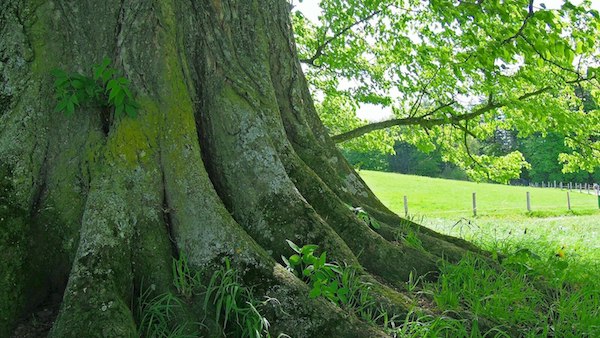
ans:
x=226 y=158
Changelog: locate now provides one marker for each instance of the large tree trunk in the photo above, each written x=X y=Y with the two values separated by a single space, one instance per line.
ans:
x=227 y=158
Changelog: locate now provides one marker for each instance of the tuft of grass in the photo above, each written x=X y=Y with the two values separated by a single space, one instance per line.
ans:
x=157 y=316
x=428 y=326
x=234 y=305
x=185 y=281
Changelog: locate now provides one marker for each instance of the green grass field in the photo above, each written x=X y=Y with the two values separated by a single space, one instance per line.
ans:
x=435 y=197
x=503 y=220
x=549 y=246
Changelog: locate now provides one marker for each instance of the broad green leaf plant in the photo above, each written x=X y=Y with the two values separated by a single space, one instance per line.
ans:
x=106 y=88
x=451 y=72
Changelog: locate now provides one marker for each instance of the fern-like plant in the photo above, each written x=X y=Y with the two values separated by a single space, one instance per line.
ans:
x=106 y=88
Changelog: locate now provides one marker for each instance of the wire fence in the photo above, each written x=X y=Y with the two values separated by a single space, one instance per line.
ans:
x=591 y=189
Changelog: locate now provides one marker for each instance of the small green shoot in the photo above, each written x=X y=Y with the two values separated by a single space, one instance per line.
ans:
x=365 y=217
x=105 y=89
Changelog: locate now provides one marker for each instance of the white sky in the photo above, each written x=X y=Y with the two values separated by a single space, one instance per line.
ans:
x=311 y=10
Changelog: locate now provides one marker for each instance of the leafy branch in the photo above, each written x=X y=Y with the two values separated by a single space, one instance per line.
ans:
x=105 y=89
x=424 y=122
x=321 y=47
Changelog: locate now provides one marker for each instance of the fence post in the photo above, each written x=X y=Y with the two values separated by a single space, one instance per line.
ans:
x=568 y=201
x=405 y=206
x=474 y=205
x=528 y=203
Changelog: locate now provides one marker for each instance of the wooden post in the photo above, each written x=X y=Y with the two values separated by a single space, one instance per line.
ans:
x=528 y=203
x=474 y=205
x=568 y=201
x=405 y=206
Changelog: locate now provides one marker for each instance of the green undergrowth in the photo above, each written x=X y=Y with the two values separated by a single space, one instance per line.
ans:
x=532 y=287
x=523 y=295
x=544 y=280
x=341 y=284
x=230 y=308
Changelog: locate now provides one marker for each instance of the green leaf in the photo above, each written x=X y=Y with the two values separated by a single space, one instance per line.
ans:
x=127 y=92
x=309 y=258
x=342 y=297
x=99 y=69
x=308 y=271
x=131 y=110
x=60 y=82
x=70 y=107
x=285 y=261
x=119 y=98
x=315 y=292
x=374 y=223
x=540 y=62
x=113 y=94
x=62 y=105
x=107 y=74
x=333 y=286
x=111 y=85
x=77 y=84
x=119 y=109
x=322 y=260
x=308 y=249
x=74 y=99
x=579 y=47
x=295 y=260
x=293 y=246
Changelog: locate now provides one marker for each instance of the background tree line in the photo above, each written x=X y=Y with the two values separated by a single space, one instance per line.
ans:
x=541 y=153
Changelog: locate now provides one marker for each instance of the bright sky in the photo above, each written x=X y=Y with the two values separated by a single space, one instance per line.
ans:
x=311 y=10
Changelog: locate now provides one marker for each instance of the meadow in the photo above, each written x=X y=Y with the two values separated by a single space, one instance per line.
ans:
x=436 y=197
x=550 y=282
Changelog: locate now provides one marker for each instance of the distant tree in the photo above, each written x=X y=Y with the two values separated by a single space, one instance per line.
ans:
x=543 y=153
x=369 y=160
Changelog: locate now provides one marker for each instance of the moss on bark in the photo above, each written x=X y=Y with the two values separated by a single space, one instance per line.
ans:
x=14 y=228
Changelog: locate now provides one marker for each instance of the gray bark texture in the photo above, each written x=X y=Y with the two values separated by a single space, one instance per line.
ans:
x=226 y=158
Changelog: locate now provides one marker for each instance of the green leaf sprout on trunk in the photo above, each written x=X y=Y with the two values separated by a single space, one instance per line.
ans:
x=107 y=89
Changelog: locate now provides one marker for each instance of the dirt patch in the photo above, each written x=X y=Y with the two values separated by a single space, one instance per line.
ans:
x=40 y=321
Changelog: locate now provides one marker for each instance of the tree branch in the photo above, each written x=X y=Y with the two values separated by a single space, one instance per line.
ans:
x=321 y=47
x=427 y=123
x=529 y=15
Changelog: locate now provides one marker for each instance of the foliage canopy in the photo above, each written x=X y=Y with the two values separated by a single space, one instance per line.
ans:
x=459 y=70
